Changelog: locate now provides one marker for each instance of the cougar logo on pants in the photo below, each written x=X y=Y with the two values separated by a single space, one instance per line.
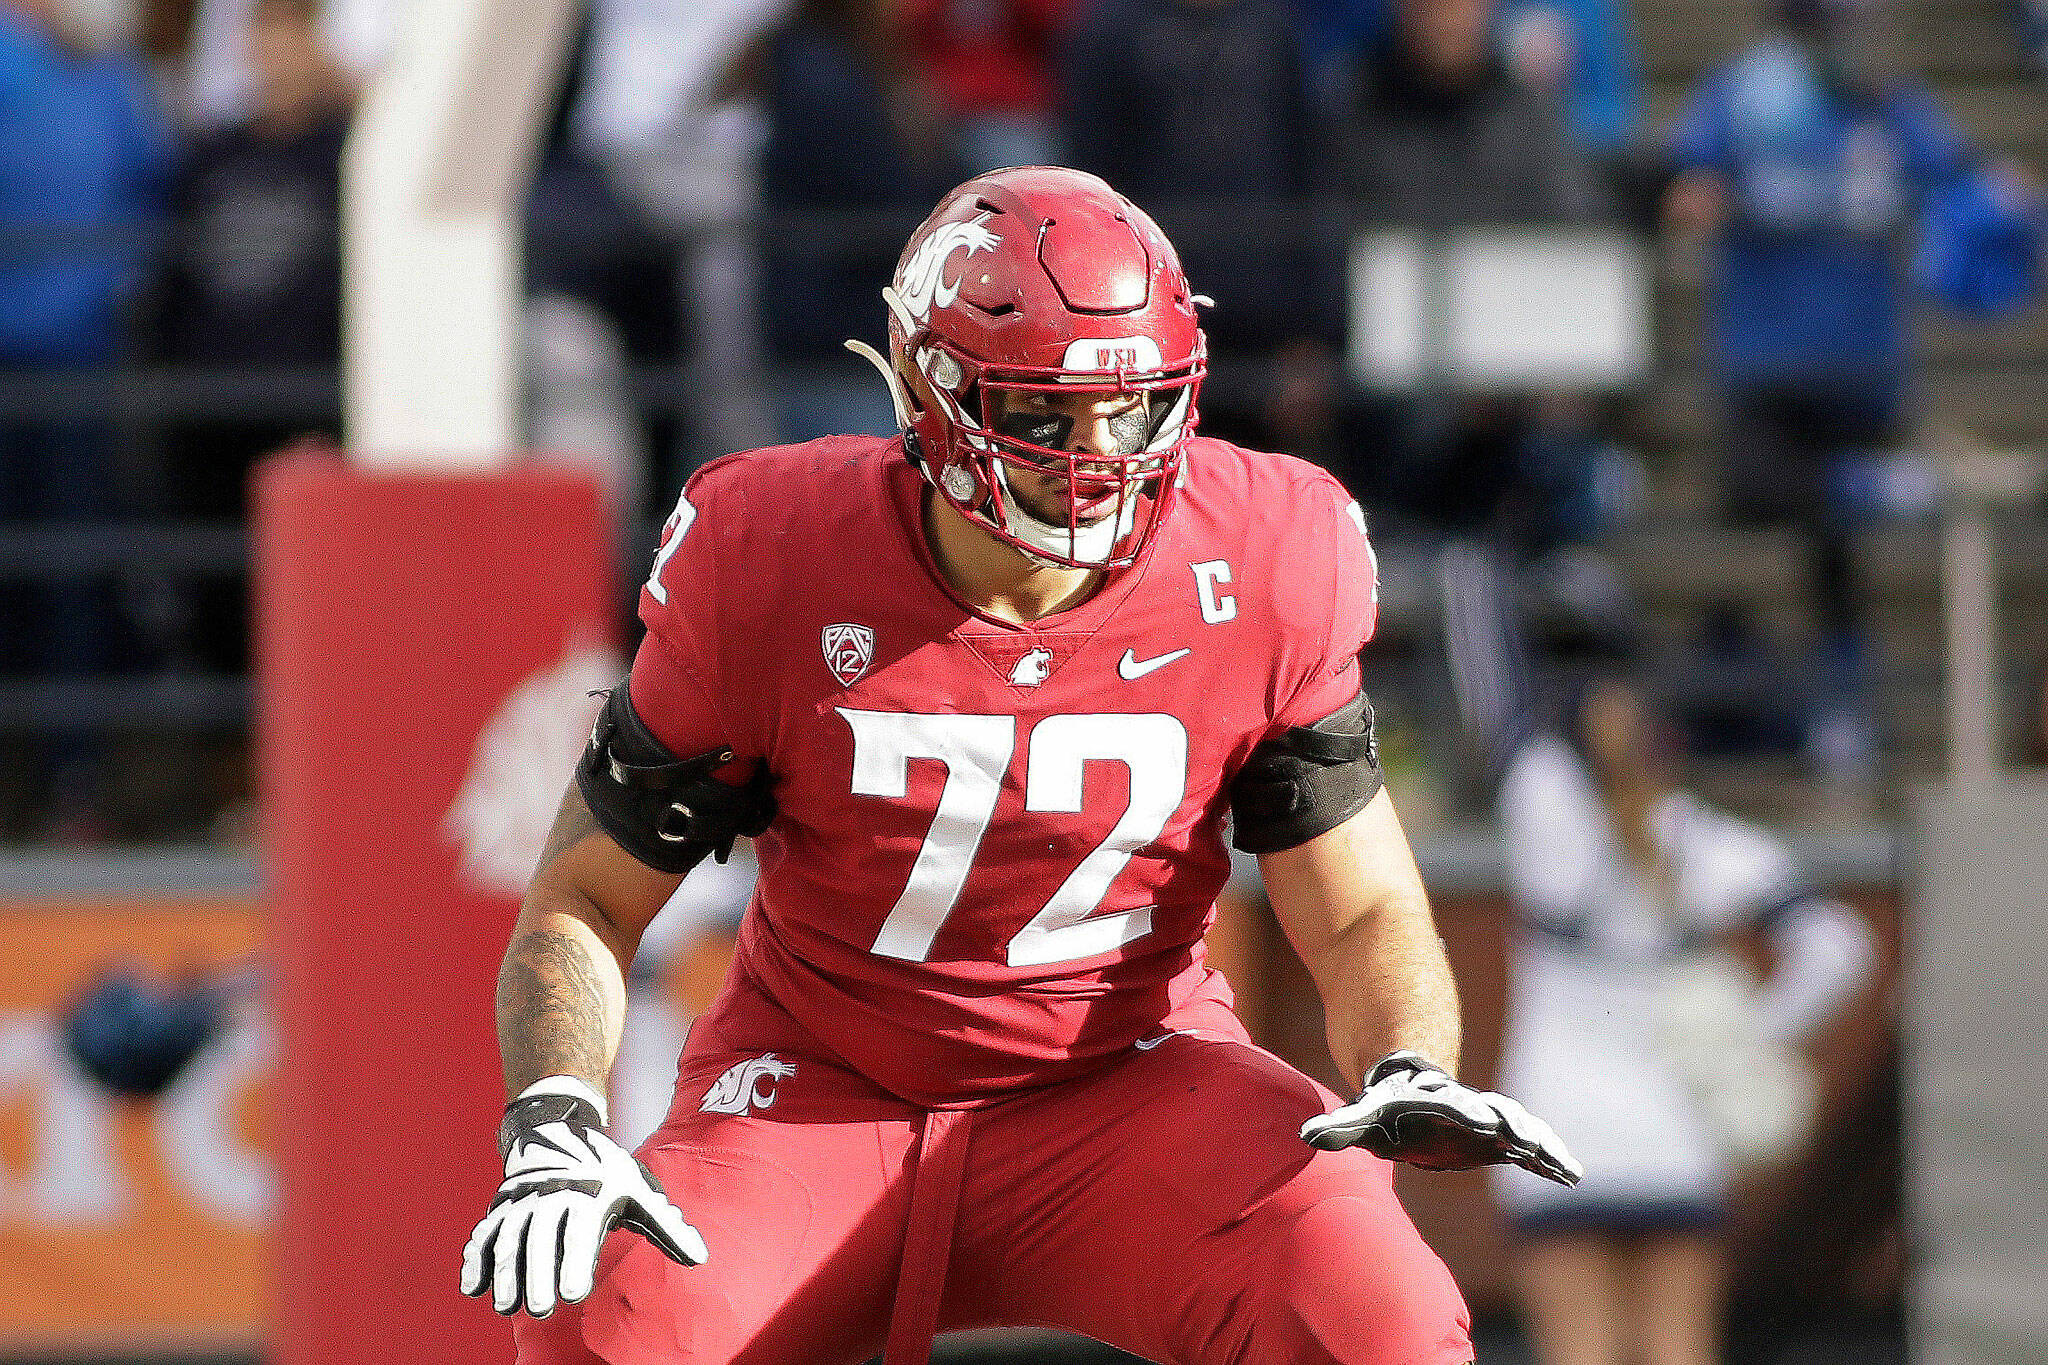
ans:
x=741 y=1089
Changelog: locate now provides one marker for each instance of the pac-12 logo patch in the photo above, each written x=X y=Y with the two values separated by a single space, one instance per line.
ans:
x=747 y=1086
x=849 y=649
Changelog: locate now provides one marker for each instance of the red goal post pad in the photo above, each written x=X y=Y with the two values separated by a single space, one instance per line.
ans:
x=424 y=646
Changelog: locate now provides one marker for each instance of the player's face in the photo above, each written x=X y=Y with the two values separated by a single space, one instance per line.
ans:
x=1103 y=425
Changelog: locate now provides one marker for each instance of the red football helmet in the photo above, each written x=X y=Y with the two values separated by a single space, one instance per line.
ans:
x=1041 y=279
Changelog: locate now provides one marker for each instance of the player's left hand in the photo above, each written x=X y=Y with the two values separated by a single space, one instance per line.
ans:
x=566 y=1185
x=1412 y=1110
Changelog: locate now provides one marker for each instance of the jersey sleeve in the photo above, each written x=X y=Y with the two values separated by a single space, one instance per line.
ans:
x=679 y=600
x=1352 y=588
x=674 y=703
x=681 y=684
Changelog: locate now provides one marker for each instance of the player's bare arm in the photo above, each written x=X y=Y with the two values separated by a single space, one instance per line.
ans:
x=631 y=826
x=1353 y=905
x=561 y=1005
x=561 y=991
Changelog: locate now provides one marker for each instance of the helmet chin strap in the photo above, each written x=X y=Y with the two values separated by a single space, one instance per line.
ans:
x=1090 y=544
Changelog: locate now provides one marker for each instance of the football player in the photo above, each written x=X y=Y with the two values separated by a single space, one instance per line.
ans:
x=994 y=696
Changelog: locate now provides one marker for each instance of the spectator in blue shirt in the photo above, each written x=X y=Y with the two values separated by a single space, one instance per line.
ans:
x=83 y=146
x=84 y=150
x=1814 y=172
x=1809 y=170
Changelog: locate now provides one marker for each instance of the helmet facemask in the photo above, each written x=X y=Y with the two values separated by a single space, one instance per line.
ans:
x=1106 y=504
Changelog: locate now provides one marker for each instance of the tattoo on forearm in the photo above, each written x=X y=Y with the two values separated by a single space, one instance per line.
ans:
x=573 y=820
x=551 y=1010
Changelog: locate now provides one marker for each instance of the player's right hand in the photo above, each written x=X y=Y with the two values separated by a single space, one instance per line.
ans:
x=1413 y=1110
x=566 y=1185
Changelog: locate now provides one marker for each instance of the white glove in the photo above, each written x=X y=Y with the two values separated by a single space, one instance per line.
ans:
x=566 y=1185
x=1412 y=1110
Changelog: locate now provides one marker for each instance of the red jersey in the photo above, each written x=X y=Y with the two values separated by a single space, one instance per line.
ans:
x=997 y=846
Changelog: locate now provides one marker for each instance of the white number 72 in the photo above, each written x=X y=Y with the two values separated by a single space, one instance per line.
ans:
x=976 y=751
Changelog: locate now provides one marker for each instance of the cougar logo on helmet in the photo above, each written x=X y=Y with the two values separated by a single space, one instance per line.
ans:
x=922 y=282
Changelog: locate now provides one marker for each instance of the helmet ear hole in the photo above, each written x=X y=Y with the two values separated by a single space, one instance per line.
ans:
x=945 y=370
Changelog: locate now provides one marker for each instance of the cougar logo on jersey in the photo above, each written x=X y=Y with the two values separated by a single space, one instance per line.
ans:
x=1032 y=669
x=849 y=649
x=740 y=1091
x=922 y=282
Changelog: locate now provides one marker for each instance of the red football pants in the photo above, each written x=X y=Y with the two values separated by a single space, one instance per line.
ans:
x=1163 y=1203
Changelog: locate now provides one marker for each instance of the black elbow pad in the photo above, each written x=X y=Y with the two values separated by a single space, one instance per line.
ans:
x=666 y=811
x=1306 y=781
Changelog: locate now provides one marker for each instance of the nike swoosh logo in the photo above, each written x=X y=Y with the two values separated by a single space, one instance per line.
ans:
x=1147 y=1044
x=1131 y=668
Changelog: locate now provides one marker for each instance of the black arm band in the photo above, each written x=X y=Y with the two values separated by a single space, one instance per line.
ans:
x=1306 y=781
x=665 y=811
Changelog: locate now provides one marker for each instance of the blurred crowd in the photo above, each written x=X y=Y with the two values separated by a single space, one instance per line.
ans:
x=725 y=185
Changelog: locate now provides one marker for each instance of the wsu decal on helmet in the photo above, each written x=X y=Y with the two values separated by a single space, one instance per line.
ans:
x=1113 y=353
x=740 y=1089
x=922 y=282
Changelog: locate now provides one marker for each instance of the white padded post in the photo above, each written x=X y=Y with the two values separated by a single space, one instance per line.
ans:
x=433 y=188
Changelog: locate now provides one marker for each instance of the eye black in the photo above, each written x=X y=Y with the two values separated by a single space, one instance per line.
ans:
x=1131 y=429
x=1049 y=429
